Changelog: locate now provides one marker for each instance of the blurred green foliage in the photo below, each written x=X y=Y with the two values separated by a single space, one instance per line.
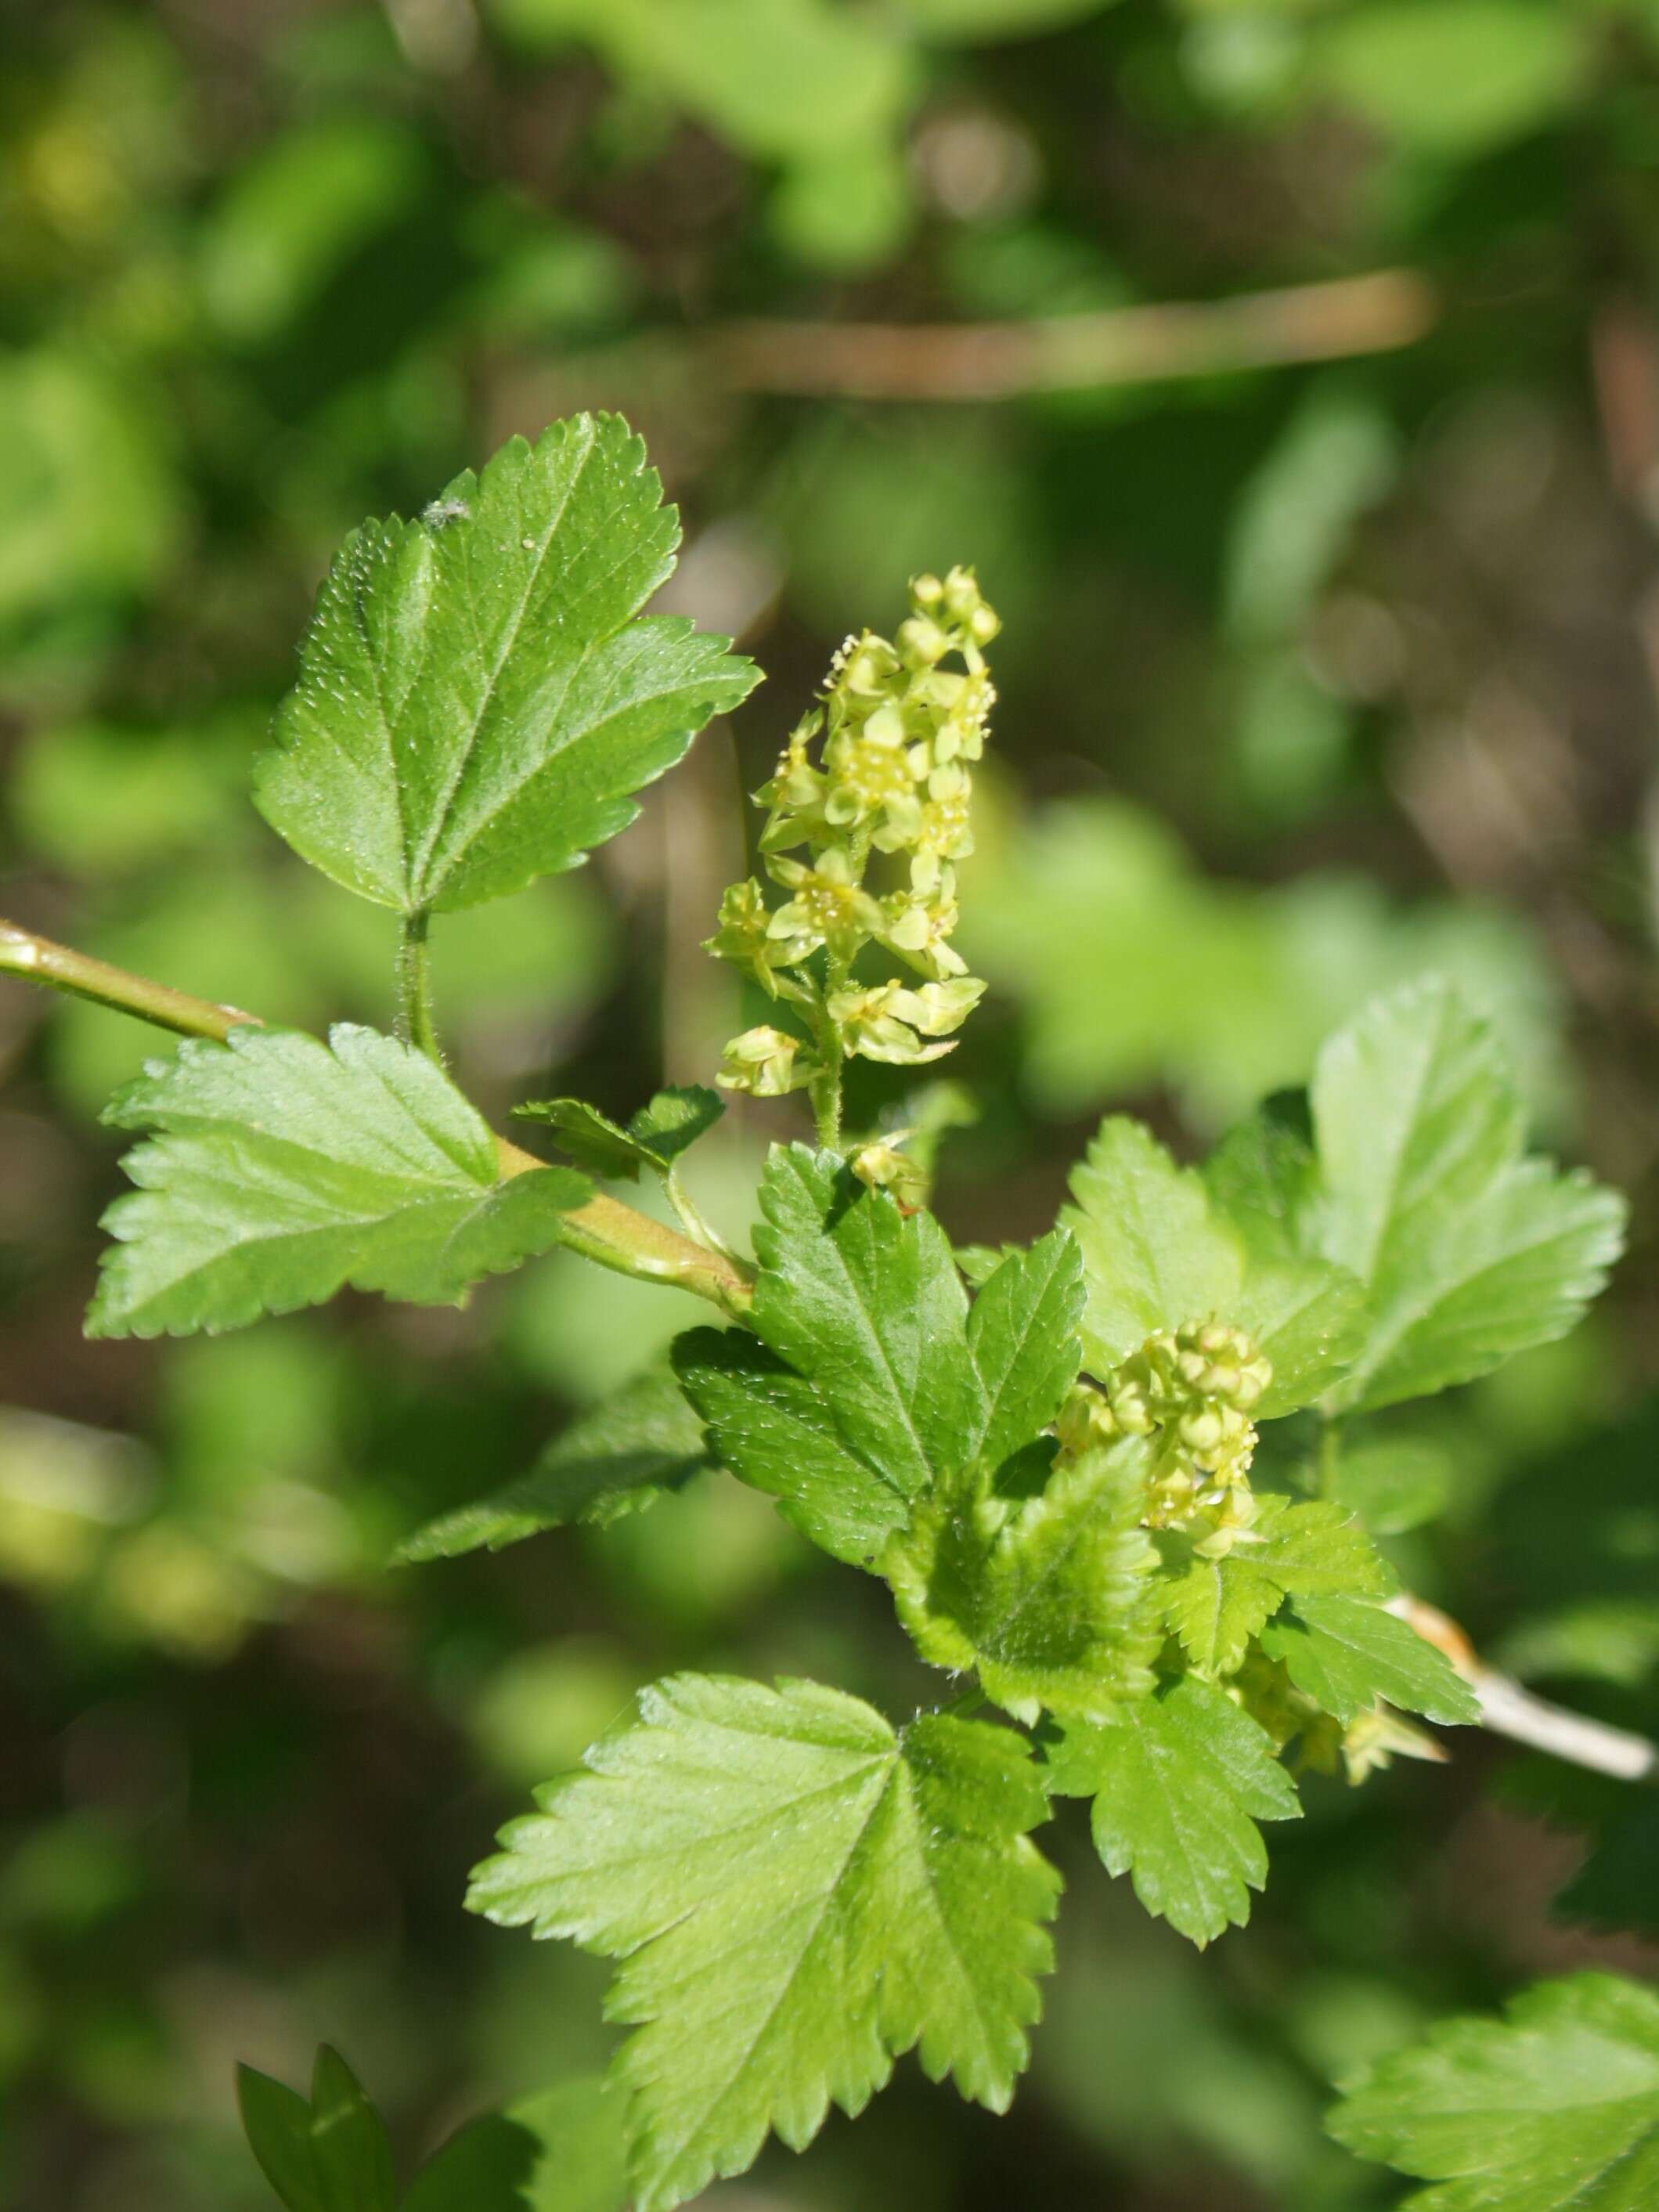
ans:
x=1314 y=676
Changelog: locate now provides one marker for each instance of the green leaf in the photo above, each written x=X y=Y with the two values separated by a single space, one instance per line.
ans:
x=477 y=705
x=775 y=1431
x=349 y=2148
x=865 y=1302
x=1469 y=1252
x=1455 y=77
x=1264 y=1176
x=1159 y=1254
x=653 y=1138
x=1347 y=1652
x=1156 y=1255
x=1179 y=1782
x=565 y=2150
x=276 y=2122
x=1022 y=1334
x=286 y=1167
x=1309 y=1549
x=797 y=1894
x=1554 y=2107
x=1395 y=1486
x=1046 y=1595
x=328 y=2155
x=614 y=1458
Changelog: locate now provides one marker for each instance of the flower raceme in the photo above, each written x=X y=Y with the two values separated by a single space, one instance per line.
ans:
x=895 y=735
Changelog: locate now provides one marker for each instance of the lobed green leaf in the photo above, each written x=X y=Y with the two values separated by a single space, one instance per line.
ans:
x=478 y=704
x=797 y=1894
x=614 y=1458
x=1345 y=1653
x=285 y=1168
x=1469 y=1252
x=1179 y=1782
x=1554 y=2107
x=1309 y=1549
x=1159 y=1254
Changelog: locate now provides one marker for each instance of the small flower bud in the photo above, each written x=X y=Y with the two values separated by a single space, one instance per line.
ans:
x=921 y=642
x=927 y=591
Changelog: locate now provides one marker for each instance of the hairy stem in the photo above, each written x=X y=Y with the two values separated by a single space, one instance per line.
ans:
x=58 y=967
x=416 y=1019
x=604 y=1230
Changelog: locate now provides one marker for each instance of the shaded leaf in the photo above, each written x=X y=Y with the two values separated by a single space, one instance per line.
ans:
x=652 y=1138
x=1046 y=1595
x=613 y=1459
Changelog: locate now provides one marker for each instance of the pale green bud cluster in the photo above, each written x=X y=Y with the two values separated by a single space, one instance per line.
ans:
x=898 y=730
x=1194 y=1389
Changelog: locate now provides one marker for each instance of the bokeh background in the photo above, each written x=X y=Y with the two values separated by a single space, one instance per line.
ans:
x=1332 y=630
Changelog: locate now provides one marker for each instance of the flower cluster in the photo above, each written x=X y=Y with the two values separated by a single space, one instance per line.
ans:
x=898 y=729
x=1194 y=1389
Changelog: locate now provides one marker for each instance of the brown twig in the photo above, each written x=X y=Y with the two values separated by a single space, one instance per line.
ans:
x=1374 y=313
x=1509 y=1709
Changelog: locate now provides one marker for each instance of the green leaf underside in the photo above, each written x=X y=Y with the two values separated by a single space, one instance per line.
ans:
x=1347 y=1652
x=1045 y=1596
x=475 y=705
x=652 y=1138
x=1469 y=1252
x=1158 y=1254
x=1554 y=2107
x=328 y=2155
x=285 y=1168
x=614 y=1458
x=796 y=1895
x=1309 y=1549
x=1179 y=1782
x=776 y=1433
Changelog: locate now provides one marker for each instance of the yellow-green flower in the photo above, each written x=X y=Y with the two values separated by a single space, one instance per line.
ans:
x=766 y=1063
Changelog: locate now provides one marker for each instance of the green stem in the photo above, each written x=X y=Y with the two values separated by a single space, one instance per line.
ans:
x=416 y=1017
x=630 y=1243
x=60 y=969
x=604 y=1230
x=1329 y=1464
x=825 y=1089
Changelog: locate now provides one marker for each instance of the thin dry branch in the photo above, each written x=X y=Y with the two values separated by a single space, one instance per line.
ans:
x=1509 y=1709
x=1350 y=315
